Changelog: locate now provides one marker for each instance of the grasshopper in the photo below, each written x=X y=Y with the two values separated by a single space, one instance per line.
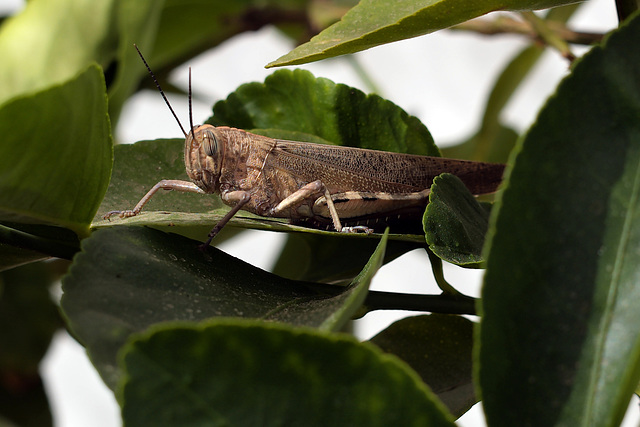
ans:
x=323 y=186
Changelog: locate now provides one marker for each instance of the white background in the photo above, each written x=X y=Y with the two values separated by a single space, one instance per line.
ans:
x=443 y=79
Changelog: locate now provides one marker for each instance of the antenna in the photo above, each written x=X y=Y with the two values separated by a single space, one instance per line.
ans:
x=163 y=95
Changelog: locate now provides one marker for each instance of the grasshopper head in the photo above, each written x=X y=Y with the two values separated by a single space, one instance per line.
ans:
x=203 y=152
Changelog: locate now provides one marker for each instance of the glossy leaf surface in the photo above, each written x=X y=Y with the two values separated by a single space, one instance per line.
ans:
x=56 y=168
x=559 y=326
x=376 y=22
x=108 y=295
x=194 y=375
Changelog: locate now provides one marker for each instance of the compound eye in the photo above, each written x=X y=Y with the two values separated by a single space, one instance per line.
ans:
x=210 y=143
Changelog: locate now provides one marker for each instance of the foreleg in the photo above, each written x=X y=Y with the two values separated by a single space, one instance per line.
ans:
x=165 y=184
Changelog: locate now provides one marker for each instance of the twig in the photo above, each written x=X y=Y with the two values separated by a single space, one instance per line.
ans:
x=23 y=240
x=506 y=25
x=547 y=35
x=444 y=303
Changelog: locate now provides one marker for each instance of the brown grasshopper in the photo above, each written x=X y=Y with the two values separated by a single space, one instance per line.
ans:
x=350 y=189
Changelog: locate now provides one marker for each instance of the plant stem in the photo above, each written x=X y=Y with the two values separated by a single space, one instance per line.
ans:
x=364 y=75
x=506 y=25
x=544 y=32
x=438 y=274
x=444 y=303
x=626 y=8
x=20 y=239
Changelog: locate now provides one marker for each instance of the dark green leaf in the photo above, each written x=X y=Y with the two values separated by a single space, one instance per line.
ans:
x=438 y=348
x=11 y=257
x=197 y=225
x=25 y=243
x=375 y=22
x=28 y=318
x=128 y=278
x=56 y=153
x=297 y=101
x=559 y=343
x=455 y=223
x=23 y=401
x=248 y=374
x=331 y=258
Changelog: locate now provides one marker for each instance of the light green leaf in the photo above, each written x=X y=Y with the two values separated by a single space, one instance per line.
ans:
x=136 y=22
x=250 y=374
x=45 y=45
x=559 y=342
x=129 y=278
x=375 y=22
x=56 y=153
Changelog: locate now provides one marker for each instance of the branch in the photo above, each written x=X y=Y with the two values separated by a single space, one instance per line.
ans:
x=547 y=35
x=20 y=239
x=447 y=304
x=506 y=25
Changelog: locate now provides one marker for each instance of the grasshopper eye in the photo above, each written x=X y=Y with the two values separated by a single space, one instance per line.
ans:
x=210 y=143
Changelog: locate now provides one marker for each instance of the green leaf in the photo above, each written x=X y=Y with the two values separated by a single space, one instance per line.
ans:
x=25 y=243
x=330 y=258
x=248 y=374
x=297 y=101
x=128 y=278
x=559 y=342
x=455 y=224
x=45 y=45
x=136 y=22
x=28 y=318
x=101 y=32
x=11 y=256
x=56 y=153
x=23 y=401
x=138 y=167
x=375 y=22
x=438 y=348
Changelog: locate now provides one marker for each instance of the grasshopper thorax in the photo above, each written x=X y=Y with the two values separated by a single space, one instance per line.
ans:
x=203 y=153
